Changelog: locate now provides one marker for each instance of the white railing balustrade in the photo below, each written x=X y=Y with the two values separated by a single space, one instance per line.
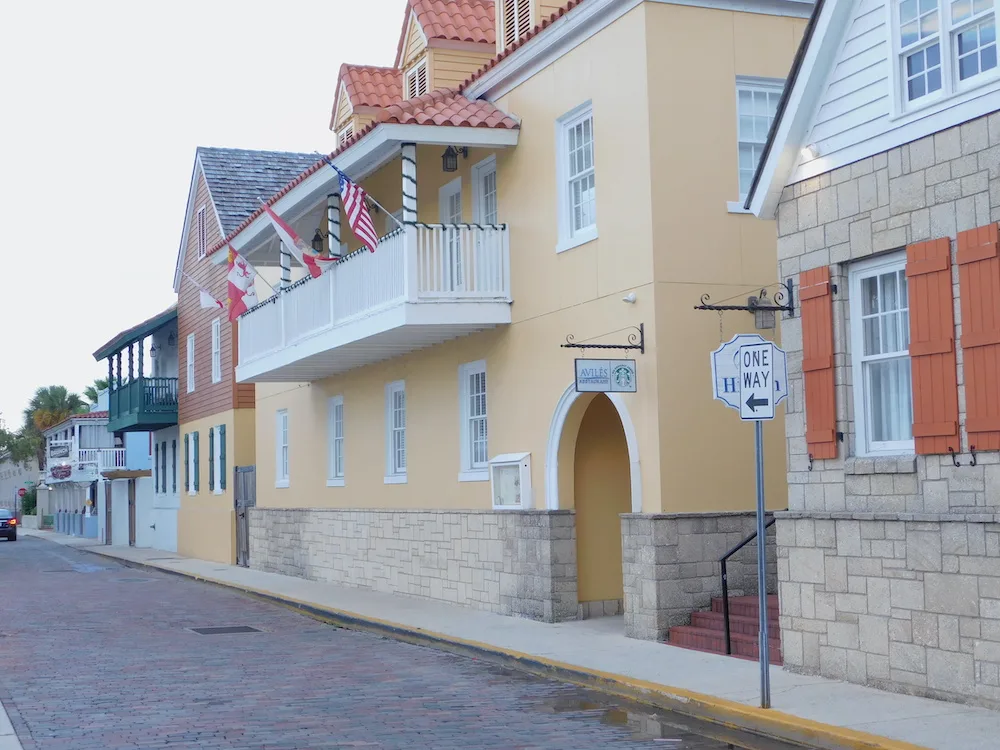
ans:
x=418 y=263
x=106 y=459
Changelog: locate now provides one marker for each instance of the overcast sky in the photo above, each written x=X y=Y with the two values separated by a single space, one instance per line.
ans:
x=103 y=104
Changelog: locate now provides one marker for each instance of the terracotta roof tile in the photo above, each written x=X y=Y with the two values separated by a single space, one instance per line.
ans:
x=371 y=86
x=455 y=20
x=447 y=107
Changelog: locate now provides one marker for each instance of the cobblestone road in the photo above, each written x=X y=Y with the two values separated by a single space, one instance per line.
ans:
x=96 y=656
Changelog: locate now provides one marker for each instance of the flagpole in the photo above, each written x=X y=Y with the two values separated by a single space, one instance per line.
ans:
x=337 y=170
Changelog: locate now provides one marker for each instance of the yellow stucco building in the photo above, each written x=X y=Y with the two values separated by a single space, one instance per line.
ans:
x=418 y=429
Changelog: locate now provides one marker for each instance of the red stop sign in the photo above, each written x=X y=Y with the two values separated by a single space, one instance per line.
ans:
x=21 y=492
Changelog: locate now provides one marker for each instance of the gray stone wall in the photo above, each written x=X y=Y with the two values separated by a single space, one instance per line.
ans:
x=671 y=566
x=866 y=537
x=513 y=562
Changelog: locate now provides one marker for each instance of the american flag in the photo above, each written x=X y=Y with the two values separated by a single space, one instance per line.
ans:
x=354 y=198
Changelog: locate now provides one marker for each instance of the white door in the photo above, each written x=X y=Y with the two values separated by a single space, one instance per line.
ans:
x=485 y=213
x=450 y=209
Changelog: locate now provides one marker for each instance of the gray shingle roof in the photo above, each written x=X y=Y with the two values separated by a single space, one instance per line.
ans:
x=238 y=177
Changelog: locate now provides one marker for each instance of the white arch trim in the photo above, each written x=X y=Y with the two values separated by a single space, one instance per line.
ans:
x=569 y=396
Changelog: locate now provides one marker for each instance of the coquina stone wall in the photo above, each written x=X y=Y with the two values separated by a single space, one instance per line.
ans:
x=513 y=562
x=889 y=567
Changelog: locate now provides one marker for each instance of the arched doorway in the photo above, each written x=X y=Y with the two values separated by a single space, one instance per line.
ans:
x=601 y=493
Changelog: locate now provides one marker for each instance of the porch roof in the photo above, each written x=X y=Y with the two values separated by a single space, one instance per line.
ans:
x=136 y=333
x=95 y=415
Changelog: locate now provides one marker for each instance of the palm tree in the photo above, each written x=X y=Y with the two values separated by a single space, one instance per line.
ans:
x=93 y=391
x=48 y=407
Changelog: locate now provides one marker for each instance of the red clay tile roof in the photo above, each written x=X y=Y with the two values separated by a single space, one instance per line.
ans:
x=520 y=42
x=371 y=86
x=447 y=107
x=85 y=415
x=455 y=20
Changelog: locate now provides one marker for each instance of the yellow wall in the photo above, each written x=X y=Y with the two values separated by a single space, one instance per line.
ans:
x=414 y=44
x=205 y=521
x=602 y=494
x=448 y=68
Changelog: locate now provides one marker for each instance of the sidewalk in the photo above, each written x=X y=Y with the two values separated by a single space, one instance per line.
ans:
x=820 y=712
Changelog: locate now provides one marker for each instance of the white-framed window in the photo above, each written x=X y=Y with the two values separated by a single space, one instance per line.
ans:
x=576 y=177
x=220 y=436
x=756 y=104
x=190 y=363
x=880 y=341
x=345 y=134
x=450 y=213
x=335 y=441
x=484 y=192
x=942 y=48
x=217 y=350
x=281 y=448
x=395 y=432
x=515 y=20
x=416 y=80
x=473 y=426
x=202 y=229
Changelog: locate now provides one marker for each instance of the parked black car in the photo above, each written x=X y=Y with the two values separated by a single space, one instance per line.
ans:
x=8 y=525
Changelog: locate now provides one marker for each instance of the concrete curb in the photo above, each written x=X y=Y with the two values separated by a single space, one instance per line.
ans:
x=765 y=722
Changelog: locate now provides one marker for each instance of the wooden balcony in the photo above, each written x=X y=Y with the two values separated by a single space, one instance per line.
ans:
x=425 y=284
x=145 y=404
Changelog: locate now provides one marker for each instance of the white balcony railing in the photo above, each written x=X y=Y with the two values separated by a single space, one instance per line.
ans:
x=417 y=264
x=107 y=459
x=66 y=462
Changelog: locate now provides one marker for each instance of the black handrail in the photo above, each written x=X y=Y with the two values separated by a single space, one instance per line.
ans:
x=725 y=581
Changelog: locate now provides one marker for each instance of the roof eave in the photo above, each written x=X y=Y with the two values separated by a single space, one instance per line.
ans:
x=137 y=333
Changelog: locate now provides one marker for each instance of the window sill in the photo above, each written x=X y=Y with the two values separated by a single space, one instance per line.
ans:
x=396 y=479
x=507 y=507
x=580 y=238
x=856 y=465
x=736 y=207
x=335 y=482
x=281 y=484
x=474 y=475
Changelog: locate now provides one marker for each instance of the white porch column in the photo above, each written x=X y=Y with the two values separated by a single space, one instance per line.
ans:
x=333 y=222
x=286 y=265
x=409 y=157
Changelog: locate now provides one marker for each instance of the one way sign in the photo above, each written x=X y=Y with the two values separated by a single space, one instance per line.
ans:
x=749 y=375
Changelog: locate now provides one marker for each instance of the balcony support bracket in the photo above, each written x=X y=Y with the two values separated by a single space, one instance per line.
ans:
x=636 y=340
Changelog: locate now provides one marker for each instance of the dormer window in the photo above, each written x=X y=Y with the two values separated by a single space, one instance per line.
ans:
x=515 y=20
x=345 y=134
x=944 y=45
x=416 y=80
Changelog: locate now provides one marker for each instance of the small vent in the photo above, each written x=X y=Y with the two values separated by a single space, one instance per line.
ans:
x=226 y=630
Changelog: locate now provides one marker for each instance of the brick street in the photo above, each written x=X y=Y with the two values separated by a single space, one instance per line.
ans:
x=97 y=656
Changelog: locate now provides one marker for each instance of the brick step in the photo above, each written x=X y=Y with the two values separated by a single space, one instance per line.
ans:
x=712 y=641
x=737 y=623
x=747 y=606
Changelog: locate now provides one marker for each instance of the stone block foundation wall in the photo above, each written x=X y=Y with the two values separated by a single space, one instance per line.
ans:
x=906 y=602
x=513 y=562
x=671 y=566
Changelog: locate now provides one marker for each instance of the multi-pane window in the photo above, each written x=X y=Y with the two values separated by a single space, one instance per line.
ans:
x=880 y=330
x=943 y=44
x=578 y=214
x=217 y=351
x=281 y=449
x=756 y=104
x=190 y=363
x=472 y=408
x=488 y=197
x=395 y=406
x=202 y=229
x=335 y=437
x=416 y=80
x=515 y=20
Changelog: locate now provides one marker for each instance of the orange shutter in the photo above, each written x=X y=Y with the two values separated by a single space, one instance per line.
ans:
x=932 y=347
x=979 y=276
x=816 y=300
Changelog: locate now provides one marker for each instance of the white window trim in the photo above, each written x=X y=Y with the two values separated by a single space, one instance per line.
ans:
x=217 y=447
x=190 y=363
x=445 y=192
x=470 y=473
x=770 y=85
x=281 y=481
x=392 y=477
x=519 y=33
x=411 y=74
x=345 y=134
x=479 y=171
x=217 y=350
x=894 y=261
x=332 y=480
x=201 y=229
x=952 y=90
x=567 y=238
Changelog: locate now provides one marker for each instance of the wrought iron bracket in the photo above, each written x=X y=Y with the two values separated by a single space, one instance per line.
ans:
x=636 y=340
x=782 y=301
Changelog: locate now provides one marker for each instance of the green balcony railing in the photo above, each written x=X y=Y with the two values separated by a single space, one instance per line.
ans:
x=131 y=402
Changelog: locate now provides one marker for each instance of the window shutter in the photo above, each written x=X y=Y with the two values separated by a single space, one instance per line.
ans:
x=222 y=456
x=816 y=300
x=211 y=459
x=197 y=463
x=173 y=462
x=156 y=466
x=979 y=281
x=932 y=347
x=187 y=464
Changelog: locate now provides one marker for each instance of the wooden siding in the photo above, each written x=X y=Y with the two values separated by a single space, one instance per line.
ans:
x=979 y=280
x=817 y=362
x=932 y=347
x=344 y=109
x=448 y=68
x=415 y=43
x=208 y=397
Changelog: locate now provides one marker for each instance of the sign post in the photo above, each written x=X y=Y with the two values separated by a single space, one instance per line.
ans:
x=749 y=375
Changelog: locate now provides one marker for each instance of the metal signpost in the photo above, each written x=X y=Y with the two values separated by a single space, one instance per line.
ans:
x=749 y=374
